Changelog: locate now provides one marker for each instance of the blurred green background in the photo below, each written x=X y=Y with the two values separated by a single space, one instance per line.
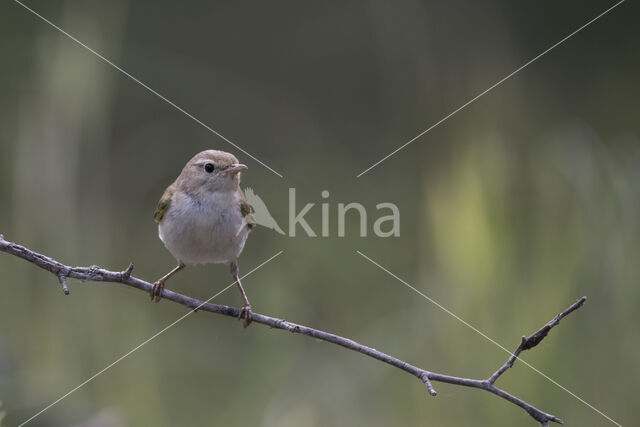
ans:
x=510 y=211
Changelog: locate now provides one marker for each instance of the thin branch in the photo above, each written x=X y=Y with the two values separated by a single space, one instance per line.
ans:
x=62 y=278
x=97 y=274
x=535 y=339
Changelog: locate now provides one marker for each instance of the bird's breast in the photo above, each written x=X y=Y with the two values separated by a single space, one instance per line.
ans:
x=197 y=232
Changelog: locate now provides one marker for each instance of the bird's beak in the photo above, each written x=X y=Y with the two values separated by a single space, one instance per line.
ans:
x=235 y=168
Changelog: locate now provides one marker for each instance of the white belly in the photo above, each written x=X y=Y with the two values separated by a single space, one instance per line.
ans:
x=202 y=233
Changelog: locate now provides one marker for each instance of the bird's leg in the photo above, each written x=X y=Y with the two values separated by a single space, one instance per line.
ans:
x=158 y=286
x=245 y=311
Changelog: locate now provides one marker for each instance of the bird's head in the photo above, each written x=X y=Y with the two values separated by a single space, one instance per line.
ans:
x=211 y=171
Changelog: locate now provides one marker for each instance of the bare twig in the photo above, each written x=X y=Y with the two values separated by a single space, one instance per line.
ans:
x=62 y=277
x=97 y=274
x=534 y=339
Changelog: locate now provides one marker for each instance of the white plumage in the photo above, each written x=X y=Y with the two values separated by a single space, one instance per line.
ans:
x=203 y=232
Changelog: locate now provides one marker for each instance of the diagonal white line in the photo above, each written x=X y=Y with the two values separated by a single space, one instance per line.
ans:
x=153 y=91
x=490 y=88
x=449 y=312
x=190 y=312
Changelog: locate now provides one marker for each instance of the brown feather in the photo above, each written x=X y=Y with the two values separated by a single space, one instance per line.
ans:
x=164 y=203
x=247 y=210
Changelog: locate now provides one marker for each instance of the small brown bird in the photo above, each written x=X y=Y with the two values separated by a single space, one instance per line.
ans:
x=204 y=217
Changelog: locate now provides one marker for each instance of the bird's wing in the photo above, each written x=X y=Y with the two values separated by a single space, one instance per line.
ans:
x=164 y=203
x=247 y=211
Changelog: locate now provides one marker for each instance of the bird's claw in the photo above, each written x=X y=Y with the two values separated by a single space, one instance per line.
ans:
x=156 y=290
x=245 y=314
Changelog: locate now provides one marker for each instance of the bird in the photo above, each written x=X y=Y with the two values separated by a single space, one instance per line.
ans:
x=204 y=217
x=261 y=214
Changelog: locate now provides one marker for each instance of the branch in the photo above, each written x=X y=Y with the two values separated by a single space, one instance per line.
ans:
x=535 y=339
x=97 y=274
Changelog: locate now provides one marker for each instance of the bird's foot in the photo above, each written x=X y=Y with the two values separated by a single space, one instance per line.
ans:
x=156 y=290
x=245 y=314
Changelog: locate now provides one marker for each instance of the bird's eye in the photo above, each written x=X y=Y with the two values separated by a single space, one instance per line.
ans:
x=209 y=167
